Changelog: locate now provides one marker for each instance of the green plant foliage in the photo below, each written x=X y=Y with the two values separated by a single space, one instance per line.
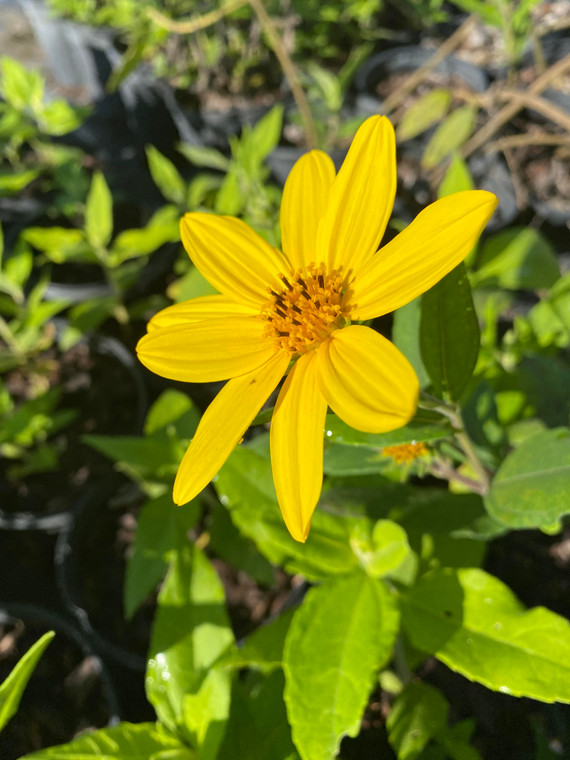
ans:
x=519 y=257
x=13 y=687
x=191 y=631
x=419 y=713
x=123 y=742
x=475 y=625
x=424 y=113
x=451 y=134
x=327 y=687
x=530 y=490
x=449 y=334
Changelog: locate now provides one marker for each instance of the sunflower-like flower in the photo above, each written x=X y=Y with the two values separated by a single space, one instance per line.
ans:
x=293 y=312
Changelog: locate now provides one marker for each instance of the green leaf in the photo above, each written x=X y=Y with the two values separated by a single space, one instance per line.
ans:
x=193 y=284
x=450 y=135
x=258 y=728
x=263 y=649
x=424 y=113
x=209 y=158
x=530 y=490
x=206 y=713
x=154 y=458
x=166 y=176
x=99 y=212
x=127 y=741
x=58 y=118
x=457 y=178
x=12 y=689
x=58 y=243
x=519 y=257
x=474 y=624
x=162 y=228
x=340 y=636
x=266 y=134
x=383 y=549
x=405 y=336
x=15 y=181
x=418 y=714
x=245 y=487
x=191 y=630
x=449 y=334
x=424 y=427
x=228 y=543
x=160 y=525
x=21 y=87
x=173 y=407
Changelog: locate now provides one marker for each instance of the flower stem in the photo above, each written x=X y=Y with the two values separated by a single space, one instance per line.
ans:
x=453 y=413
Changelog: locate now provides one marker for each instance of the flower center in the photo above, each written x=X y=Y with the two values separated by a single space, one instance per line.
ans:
x=307 y=309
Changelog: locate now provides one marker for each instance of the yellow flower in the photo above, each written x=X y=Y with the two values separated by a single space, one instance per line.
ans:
x=405 y=452
x=299 y=307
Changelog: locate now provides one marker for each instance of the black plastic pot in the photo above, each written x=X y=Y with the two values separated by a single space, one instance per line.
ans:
x=90 y=577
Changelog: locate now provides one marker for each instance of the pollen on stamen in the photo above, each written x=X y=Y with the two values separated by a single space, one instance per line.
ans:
x=307 y=310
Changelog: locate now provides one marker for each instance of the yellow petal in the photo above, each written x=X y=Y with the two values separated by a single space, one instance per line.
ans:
x=207 y=351
x=361 y=198
x=296 y=441
x=304 y=202
x=197 y=309
x=232 y=257
x=366 y=381
x=438 y=239
x=223 y=425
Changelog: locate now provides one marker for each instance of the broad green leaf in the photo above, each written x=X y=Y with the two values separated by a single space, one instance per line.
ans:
x=342 y=634
x=127 y=741
x=474 y=624
x=99 y=212
x=263 y=649
x=340 y=459
x=449 y=334
x=424 y=427
x=405 y=336
x=12 y=688
x=209 y=158
x=519 y=257
x=418 y=714
x=20 y=86
x=457 y=178
x=150 y=459
x=257 y=728
x=19 y=265
x=531 y=488
x=230 y=200
x=160 y=527
x=455 y=741
x=450 y=135
x=424 y=113
x=191 y=630
x=166 y=176
x=245 y=487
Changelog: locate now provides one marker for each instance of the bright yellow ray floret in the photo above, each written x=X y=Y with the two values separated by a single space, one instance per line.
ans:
x=298 y=307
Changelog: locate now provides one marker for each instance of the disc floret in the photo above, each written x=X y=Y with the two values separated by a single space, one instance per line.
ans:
x=309 y=306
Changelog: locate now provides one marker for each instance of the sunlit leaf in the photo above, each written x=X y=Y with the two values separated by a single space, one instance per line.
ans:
x=474 y=624
x=330 y=660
